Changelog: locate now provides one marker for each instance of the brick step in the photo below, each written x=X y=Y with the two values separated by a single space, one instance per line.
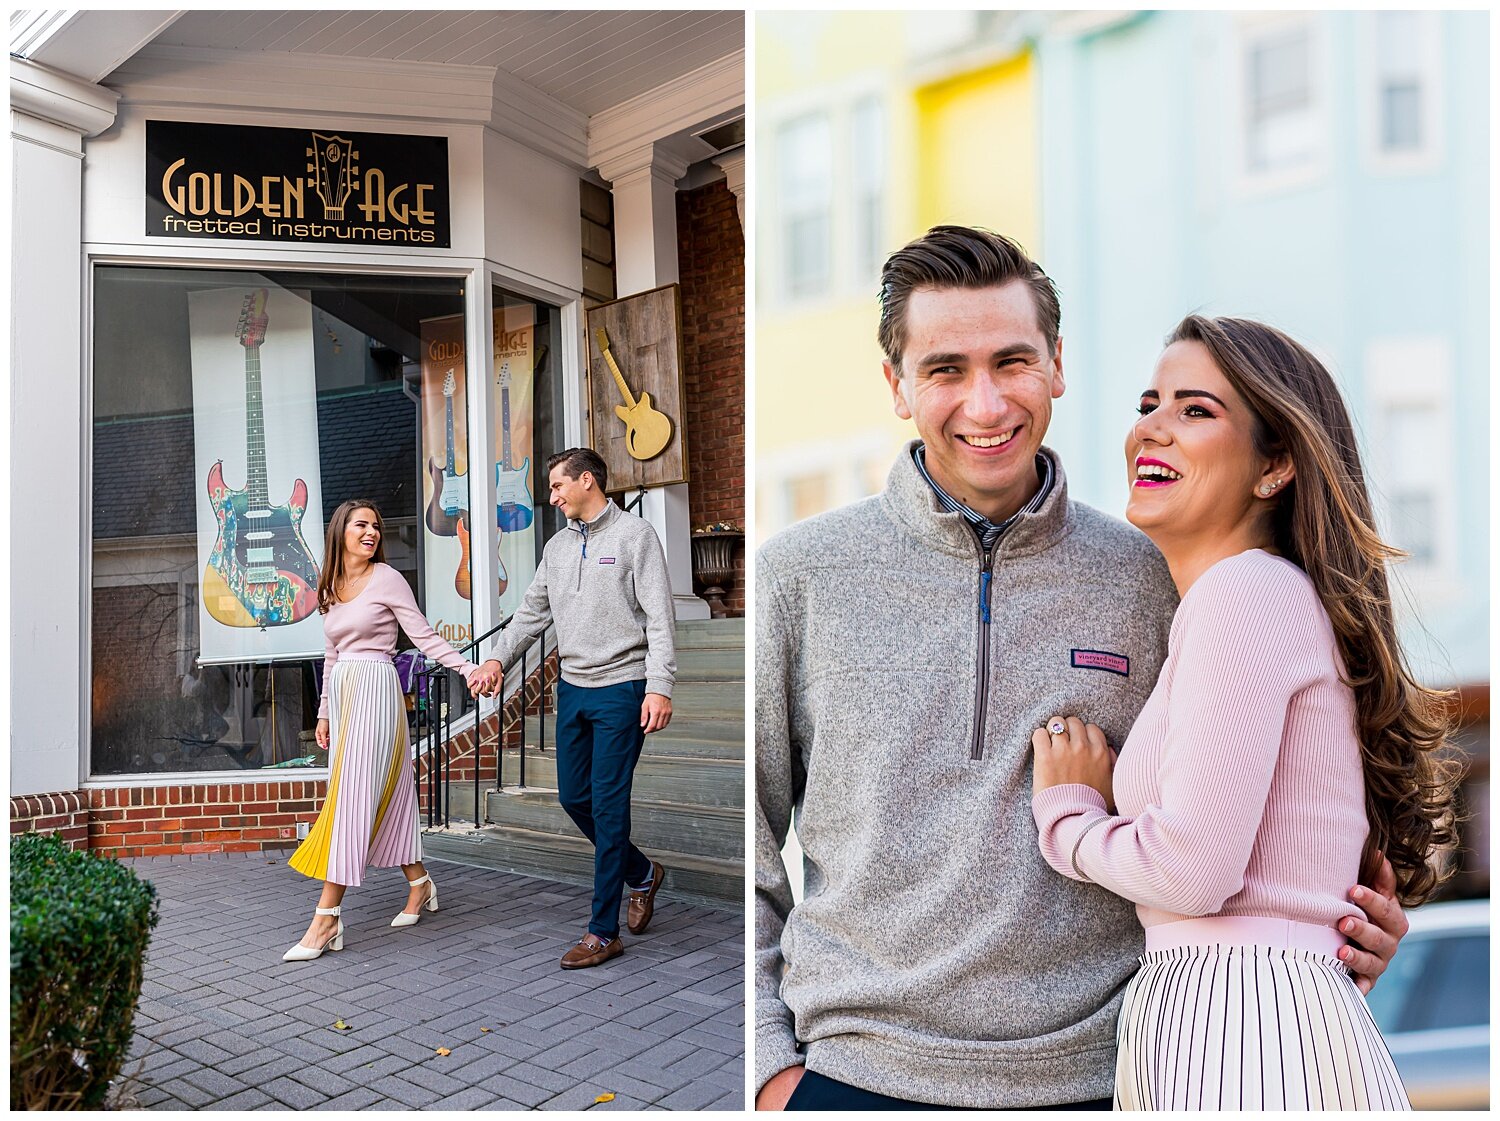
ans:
x=700 y=880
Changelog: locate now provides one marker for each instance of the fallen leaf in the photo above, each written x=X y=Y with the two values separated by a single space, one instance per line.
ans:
x=444 y=1051
x=339 y=1025
x=484 y=1029
x=602 y=1098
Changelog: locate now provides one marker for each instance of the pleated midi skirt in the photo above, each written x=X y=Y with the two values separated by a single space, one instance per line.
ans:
x=1250 y=1027
x=370 y=815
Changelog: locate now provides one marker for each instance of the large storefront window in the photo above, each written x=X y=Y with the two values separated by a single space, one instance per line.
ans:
x=233 y=412
x=528 y=429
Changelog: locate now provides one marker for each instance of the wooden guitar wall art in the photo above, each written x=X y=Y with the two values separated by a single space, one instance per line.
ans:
x=647 y=431
x=636 y=401
x=261 y=572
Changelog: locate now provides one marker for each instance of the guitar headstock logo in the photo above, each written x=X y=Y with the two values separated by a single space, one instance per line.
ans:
x=333 y=172
x=251 y=329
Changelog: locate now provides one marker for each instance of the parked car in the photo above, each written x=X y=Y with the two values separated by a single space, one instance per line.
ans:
x=1433 y=1006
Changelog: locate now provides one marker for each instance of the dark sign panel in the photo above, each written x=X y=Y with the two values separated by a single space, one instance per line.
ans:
x=291 y=184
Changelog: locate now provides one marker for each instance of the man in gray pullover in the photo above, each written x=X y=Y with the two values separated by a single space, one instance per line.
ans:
x=906 y=647
x=603 y=581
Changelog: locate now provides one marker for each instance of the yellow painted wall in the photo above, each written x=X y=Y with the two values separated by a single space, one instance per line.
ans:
x=959 y=149
x=977 y=159
x=796 y=51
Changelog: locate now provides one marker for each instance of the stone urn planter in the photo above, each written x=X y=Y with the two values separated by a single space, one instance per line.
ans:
x=713 y=564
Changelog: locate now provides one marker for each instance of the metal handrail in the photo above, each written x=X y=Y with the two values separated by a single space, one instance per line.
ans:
x=434 y=724
x=640 y=496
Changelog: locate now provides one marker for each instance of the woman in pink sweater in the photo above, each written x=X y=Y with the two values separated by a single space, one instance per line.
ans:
x=370 y=815
x=1285 y=748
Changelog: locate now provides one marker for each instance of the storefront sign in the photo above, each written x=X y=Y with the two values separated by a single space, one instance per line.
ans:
x=237 y=182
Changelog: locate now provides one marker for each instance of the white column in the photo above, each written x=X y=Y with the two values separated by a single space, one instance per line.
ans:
x=50 y=414
x=644 y=183
x=733 y=164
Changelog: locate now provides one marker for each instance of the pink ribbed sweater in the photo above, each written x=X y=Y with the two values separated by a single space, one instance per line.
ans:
x=366 y=625
x=1240 y=787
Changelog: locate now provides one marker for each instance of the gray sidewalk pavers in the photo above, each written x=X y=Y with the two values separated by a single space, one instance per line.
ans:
x=225 y=1024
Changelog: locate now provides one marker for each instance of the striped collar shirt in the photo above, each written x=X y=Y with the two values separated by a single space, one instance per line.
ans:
x=988 y=532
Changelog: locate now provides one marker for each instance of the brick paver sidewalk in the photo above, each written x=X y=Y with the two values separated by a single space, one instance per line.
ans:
x=225 y=1024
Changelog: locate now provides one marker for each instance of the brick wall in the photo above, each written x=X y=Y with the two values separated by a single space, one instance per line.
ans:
x=66 y=813
x=711 y=260
x=218 y=817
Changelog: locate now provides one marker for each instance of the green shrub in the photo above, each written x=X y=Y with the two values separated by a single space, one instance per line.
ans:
x=78 y=931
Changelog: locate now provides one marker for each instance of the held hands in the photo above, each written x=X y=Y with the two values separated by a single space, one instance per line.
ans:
x=656 y=712
x=487 y=679
x=1070 y=751
x=1379 y=938
x=322 y=734
x=778 y=1090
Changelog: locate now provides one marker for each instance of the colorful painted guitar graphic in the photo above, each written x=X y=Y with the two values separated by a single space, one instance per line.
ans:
x=261 y=572
x=449 y=490
x=462 y=582
x=647 y=430
x=512 y=494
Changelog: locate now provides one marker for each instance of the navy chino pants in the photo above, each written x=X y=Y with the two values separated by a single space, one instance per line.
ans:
x=819 y=1092
x=599 y=740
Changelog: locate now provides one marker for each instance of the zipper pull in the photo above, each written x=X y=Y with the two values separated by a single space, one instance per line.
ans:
x=984 y=596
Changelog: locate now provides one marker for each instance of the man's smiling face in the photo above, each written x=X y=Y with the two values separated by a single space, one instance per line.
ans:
x=977 y=379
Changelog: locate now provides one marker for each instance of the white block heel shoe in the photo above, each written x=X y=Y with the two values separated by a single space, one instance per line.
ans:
x=299 y=952
x=430 y=903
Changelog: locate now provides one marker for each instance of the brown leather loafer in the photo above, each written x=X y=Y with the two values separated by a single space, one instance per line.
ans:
x=591 y=951
x=642 y=903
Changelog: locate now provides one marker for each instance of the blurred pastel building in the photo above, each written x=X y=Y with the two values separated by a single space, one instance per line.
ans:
x=1326 y=172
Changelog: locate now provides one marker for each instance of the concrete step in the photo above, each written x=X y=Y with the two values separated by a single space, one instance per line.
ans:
x=684 y=780
x=698 y=739
x=710 y=633
x=711 y=665
x=700 y=880
x=709 y=700
x=713 y=831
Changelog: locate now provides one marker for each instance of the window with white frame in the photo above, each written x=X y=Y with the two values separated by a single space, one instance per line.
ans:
x=1410 y=454
x=868 y=173
x=1401 y=76
x=1399 y=80
x=804 y=151
x=1280 y=110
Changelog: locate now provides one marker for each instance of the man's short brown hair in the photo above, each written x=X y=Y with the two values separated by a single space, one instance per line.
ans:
x=959 y=257
x=575 y=461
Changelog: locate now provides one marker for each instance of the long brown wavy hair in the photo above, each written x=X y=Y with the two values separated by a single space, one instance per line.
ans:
x=332 y=572
x=1322 y=521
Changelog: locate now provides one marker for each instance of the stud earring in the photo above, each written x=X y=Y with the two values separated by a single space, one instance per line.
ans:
x=1265 y=490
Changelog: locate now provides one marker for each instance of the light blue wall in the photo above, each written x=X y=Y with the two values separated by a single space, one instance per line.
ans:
x=1142 y=223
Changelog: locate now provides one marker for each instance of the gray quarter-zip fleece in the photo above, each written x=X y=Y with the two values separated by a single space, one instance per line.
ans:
x=935 y=956
x=605 y=585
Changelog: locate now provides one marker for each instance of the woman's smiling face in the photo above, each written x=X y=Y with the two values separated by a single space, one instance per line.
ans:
x=1193 y=466
x=361 y=533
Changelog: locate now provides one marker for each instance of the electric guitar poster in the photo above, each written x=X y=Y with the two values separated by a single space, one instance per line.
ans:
x=257 y=483
x=517 y=358
x=446 y=520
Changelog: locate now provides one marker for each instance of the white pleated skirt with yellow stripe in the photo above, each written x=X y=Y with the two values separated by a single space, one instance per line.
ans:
x=369 y=818
x=1214 y=1026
